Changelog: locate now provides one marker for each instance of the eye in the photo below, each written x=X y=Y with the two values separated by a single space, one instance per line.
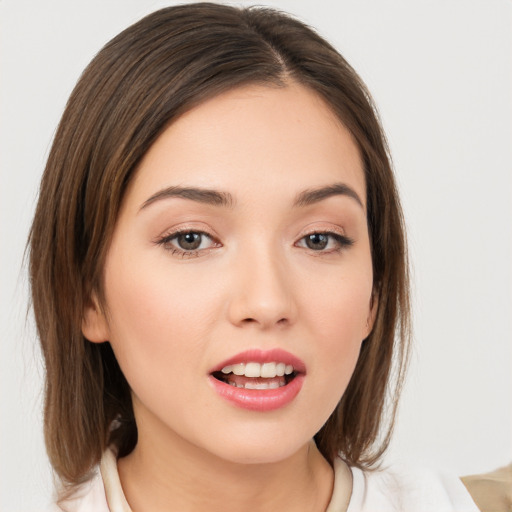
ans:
x=187 y=243
x=325 y=242
x=317 y=241
x=190 y=241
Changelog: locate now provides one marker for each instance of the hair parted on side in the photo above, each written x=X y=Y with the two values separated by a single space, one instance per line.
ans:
x=142 y=80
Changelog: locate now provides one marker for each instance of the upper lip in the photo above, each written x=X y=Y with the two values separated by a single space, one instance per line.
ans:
x=276 y=355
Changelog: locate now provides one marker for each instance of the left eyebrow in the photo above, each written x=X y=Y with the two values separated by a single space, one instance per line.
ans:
x=312 y=196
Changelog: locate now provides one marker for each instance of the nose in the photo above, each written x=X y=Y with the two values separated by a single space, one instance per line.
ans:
x=263 y=292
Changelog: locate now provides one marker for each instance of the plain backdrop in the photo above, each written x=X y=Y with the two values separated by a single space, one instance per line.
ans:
x=441 y=74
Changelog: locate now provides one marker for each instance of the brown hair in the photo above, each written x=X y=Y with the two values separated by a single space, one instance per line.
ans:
x=138 y=83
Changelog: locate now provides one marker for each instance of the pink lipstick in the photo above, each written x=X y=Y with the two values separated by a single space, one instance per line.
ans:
x=259 y=380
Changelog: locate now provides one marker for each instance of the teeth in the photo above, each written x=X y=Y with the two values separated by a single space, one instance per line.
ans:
x=265 y=370
x=268 y=370
x=238 y=369
x=253 y=370
x=258 y=385
x=253 y=385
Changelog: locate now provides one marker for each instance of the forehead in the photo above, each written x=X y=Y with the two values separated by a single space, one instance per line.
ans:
x=285 y=138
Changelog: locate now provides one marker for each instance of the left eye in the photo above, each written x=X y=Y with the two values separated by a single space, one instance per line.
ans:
x=323 y=241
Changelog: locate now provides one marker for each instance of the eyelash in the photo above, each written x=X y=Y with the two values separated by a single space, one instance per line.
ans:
x=343 y=242
x=166 y=241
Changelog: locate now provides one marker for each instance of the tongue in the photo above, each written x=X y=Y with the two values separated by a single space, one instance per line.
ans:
x=242 y=379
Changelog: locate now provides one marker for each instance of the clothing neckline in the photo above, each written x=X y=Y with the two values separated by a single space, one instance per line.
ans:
x=387 y=490
x=116 y=499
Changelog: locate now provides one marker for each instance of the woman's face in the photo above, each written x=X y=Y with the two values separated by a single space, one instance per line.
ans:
x=242 y=242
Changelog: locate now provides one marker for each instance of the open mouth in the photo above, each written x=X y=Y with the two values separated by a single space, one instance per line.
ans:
x=259 y=380
x=260 y=376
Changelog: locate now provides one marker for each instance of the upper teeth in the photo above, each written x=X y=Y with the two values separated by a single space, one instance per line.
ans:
x=268 y=370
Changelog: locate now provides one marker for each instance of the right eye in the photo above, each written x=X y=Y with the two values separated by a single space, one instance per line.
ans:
x=187 y=243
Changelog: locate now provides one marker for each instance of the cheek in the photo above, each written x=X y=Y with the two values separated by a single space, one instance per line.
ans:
x=339 y=305
x=338 y=314
x=340 y=328
x=155 y=314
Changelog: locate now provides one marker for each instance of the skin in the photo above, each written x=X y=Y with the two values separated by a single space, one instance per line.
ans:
x=253 y=284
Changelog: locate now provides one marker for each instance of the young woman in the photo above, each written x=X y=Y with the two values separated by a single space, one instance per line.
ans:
x=219 y=277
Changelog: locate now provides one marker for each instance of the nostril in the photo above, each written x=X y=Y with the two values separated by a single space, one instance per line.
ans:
x=281 y=321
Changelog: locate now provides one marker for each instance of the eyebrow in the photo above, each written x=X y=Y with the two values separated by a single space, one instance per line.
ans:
x=225 y=199
x=312 y=196
x=200 y=195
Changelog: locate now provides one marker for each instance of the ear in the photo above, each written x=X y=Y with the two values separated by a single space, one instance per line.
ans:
x=372 y=313
x=94 y=323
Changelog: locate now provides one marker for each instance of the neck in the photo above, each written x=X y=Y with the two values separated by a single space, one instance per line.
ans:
x=179 y=476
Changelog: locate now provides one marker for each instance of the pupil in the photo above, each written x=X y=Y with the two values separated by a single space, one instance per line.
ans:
x=316 y=241
x=189 y=241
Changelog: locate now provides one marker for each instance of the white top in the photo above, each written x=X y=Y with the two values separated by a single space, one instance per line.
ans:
x=389 y=490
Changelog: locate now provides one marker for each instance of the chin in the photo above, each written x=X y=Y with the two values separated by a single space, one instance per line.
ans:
x=258 y=456
x=259 y=446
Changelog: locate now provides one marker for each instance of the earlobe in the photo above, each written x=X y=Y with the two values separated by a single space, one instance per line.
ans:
x=94 y=323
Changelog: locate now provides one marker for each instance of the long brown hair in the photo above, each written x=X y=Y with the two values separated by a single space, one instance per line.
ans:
x=142 y=80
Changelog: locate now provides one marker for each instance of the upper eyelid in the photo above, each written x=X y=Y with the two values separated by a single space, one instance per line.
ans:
x=172 y=232
x=327 y=230
x=182 y=231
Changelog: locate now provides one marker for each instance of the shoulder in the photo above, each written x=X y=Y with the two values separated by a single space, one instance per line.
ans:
x=406 y=488
x=492 y=492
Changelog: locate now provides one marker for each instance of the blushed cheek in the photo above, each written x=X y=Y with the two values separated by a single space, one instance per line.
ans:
x=342 y=309
x=157 y=314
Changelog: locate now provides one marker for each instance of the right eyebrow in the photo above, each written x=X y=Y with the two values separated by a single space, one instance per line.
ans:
x=200 y=195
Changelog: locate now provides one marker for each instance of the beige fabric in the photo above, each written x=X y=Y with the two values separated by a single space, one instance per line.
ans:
x=388 y=490
x=342 y=490
x=492 y=492
x=113 y=489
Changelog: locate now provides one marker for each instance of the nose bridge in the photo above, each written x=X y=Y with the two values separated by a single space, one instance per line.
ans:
x=263 y=292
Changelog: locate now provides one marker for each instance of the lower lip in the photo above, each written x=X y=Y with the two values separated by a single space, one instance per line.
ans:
x=259 y=399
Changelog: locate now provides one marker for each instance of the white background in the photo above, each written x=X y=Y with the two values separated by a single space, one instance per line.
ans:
x=441 y=73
